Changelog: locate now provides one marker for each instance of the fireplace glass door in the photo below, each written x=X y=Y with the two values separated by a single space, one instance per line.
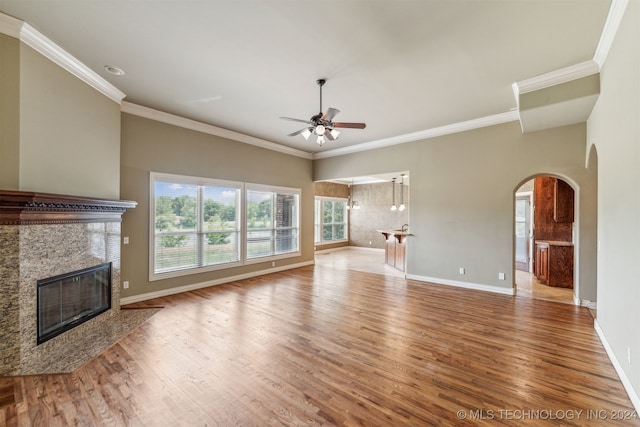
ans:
x=71 y=299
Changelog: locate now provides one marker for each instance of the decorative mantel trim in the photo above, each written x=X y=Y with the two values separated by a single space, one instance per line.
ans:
x=23 y=208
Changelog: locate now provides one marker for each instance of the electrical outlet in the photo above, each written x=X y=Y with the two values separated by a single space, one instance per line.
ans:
x=125 y=284
x=500 y=276
x=125 y=240
x=461 y=270
x=273 y=264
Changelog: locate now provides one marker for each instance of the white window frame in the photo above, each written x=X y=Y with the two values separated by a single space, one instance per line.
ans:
x=198 y=181
x=274 y=189
x=319 y=220
x=241 y=214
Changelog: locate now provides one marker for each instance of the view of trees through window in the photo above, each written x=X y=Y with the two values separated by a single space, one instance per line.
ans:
x=272 y=223
x=195 y=225
x=198 y=225
x=331 y=220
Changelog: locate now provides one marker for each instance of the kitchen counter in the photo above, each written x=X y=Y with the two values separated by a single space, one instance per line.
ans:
x=395 y=232
x=395 y=249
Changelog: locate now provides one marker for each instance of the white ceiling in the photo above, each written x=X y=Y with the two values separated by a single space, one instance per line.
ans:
x=400 y=66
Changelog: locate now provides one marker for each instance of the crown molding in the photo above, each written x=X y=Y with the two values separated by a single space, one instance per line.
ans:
x=616 y=12
x=556 y=77
x=583 y=69
x=495 y=119
x=171 y=119
x=43 y=45
x=10 y=25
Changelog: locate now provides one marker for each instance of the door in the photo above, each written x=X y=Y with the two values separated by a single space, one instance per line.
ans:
x=523 y=232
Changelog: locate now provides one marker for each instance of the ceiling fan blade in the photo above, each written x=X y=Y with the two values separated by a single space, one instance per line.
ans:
x=328 y=135
x=330 y=114
x=297 y=120
x=297 y=132
x=349 y=125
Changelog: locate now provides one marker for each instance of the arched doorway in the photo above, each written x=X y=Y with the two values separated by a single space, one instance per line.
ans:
x=544 y=236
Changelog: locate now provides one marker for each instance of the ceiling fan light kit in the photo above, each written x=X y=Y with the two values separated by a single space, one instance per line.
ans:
x=322 y=124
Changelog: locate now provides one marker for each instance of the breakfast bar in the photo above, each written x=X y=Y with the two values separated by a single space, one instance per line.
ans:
x=395 y=249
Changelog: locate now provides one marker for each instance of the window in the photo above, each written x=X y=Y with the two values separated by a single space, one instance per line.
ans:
x=272 y=221
x=195 y=224
x=330 y=220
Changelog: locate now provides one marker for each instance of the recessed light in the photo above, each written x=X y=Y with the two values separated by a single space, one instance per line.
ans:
x=114 y=70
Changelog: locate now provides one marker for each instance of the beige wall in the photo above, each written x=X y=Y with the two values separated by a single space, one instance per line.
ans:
x=9 y=112
x=614 y=130
x=148 y=145
x=57 y=134
x=462 y=198
x=69 y=136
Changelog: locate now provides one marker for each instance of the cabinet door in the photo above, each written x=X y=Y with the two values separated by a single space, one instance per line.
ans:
x=542 y=262
x=544 y=265
x=400 y=256
x=562 y=202
x=391 y=251
x=561 y=266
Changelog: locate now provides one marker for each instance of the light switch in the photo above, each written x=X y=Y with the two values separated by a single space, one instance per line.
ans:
x=125 y=240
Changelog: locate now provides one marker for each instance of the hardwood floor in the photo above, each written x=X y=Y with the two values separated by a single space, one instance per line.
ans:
x=528 y=285
x=328 y=345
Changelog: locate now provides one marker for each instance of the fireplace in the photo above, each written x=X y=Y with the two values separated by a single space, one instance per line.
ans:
x=70 y=299
x=50 y=322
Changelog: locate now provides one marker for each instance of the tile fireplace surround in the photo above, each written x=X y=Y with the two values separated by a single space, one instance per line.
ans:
x=44 y=235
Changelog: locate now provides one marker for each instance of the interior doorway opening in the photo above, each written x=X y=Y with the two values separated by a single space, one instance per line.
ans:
x=524 y=230
x=544 y=238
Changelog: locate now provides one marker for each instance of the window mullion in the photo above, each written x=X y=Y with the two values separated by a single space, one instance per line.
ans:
x=200 y=226
x=274 y=222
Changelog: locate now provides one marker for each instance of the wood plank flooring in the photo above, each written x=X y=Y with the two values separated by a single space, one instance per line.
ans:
x=326 y=345
x=529 y=285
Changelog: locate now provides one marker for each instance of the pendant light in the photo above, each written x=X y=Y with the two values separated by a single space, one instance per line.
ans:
x=393 y=191
x=401 y=207
x=352 y=203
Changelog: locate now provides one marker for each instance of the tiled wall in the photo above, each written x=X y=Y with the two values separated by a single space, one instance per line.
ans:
x=375 y=213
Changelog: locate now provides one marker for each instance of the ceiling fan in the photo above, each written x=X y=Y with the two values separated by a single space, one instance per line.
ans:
x=322 y=124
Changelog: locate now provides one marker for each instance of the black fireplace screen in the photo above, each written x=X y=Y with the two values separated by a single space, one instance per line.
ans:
x=70 y=299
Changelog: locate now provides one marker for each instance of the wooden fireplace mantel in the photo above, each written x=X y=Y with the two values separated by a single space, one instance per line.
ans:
x=22 y=207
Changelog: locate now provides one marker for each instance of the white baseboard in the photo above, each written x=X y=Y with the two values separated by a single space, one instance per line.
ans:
x=466 y=285
x=584 y=302
x=326 y=251
x=349 y=248
x=194 y=286
x=635 y=400
x=366 y=249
